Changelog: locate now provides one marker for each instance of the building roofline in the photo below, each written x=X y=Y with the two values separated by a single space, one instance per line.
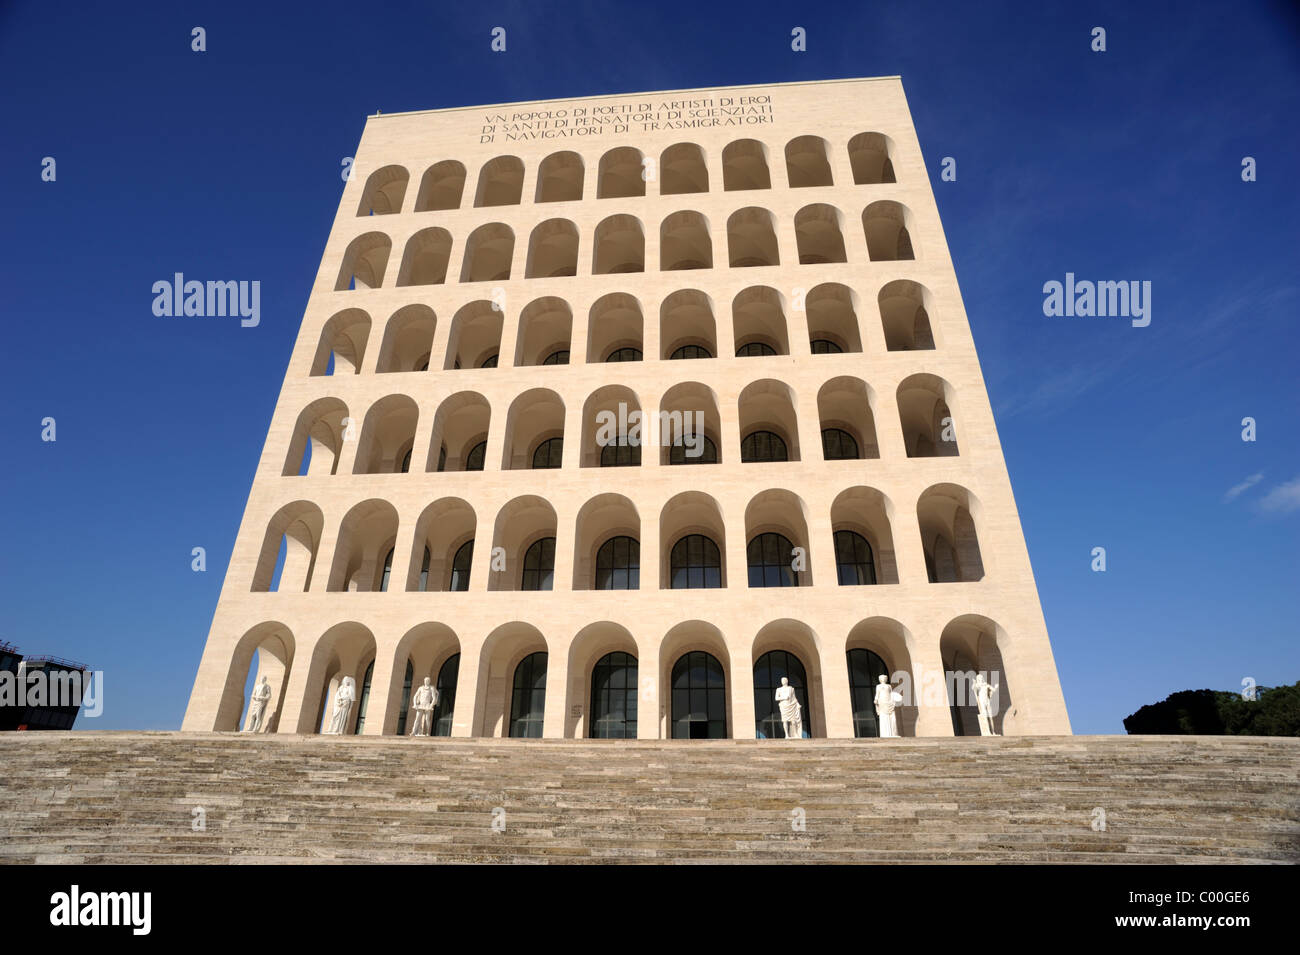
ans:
x=571 y=99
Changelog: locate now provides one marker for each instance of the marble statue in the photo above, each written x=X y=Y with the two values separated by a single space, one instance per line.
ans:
x=343 y=700
x=257 y=707
x=887 y=700
x=791 y=712
x=984 y=701
x=426 y=698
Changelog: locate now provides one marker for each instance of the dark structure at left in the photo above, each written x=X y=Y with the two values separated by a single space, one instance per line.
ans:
x=39 y=692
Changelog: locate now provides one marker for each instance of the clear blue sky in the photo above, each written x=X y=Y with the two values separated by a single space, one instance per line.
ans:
x=225 y=164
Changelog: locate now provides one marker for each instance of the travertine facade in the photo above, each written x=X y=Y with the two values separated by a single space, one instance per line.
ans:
x=651 y=237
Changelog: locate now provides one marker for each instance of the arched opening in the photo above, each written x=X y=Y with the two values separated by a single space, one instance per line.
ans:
x=905 y=315
x=614 y=324
x=317 y=439
x=475 y=339
x=607 y=549
x=408 y=340
x=614 y=697
x=694 y=543
x=424 y=653
x=288 y=555
x=832 y=319
x=779 y=652
x=425 y=260
x=460 y=429
x=612 y=429
x=751 y=238
x=363 y=552
x=559 y=178
x=689 y=427
x=684 y=242
x=342 y=344
x=488 y=252
x=848 y=423
x=443 y=550
x=924 y=411
x=528 y=697
x=768 y=428
x=682 y=170
x=441 y=187
x=387 y=436
x=264 y=652
x=535 y=421
x=511 y=700
x=523 y=546
x=758 y=319
x=694 y=664
x=776 y=529
x=545 y=329
x=862 y=529
x=686 y=326
x=619 y=246
x=552 y=250
x=500 y=182
x=870 y=156
x=620 y=174
x=345 y=652
x=887 y=226
x=364 y=262
x=744 y=166
x=819 y=235
x=384 y=191
x=875 y=647
x=971 y=646
x=806 y=163
x=947 y=514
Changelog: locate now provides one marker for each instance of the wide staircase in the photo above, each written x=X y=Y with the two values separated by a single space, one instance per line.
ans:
x=134 y=798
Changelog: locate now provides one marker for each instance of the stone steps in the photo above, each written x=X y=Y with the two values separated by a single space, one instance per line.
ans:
x=127 y=798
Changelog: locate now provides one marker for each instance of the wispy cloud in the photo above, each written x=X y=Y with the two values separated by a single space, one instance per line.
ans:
x=1282 y=499
x=1238 y=489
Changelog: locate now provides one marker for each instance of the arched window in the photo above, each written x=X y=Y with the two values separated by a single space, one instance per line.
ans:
x=625 y=354
x=708 y=453
x=558 y=357
x=548 y=454
x=618 y=564
x=761 y=446
x=695 y=564
x=768 y=670
x=460 y=565
x=620 y=455
x=755 y=350
x=424 y=570
x=388 y=571
x=853 y=560
x=771 y=558
x=690 y=351
x=528 y=699
x=490 y=361
x=699 y=704
x=406 y=698
x=474 y=460
x=539 y=565
x=363 y=698
x=838 y=445
x=613 y=697
x=824 y=346
x=446 y=684
x=865 y=670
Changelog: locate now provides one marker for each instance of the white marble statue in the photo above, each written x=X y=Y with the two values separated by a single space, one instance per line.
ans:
x=257 y=707
x=887 y=700
x=426 y=698
x=984 y=702
x=791 y=711
x=343 y=700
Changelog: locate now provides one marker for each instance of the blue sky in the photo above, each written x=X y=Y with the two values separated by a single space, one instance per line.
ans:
x=1117 y=165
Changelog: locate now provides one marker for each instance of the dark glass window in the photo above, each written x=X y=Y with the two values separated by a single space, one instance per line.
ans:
x=406 y=461
x=768 y=670
x=474 y=460
x=865 y=669
x=539 y=565
x=699 y=697
x=695 y=563
x=363 y=698
x=690 y=351
x=760 y=446
x=460 y=565
x=613 y=697
x=838 y=445
x=559 y=357
x=446 y=684
x=755 y=350
x=528 y=698
x=549 y=453
x=442 y=458
x=406 y=698
x=388 y=571
x=621 y=455
x=770 y=557
x=824 y=346
x=625 y=354
x=490 y=361
x=853 y=560
x=424 y=570
x=618 y=564
x=708 y=453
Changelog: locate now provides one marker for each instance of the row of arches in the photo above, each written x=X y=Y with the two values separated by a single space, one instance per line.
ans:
x=685 y=429
x=625 y=172
x=688 y=329
x=689 y=687
x=619 y=246
x=606 y=544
